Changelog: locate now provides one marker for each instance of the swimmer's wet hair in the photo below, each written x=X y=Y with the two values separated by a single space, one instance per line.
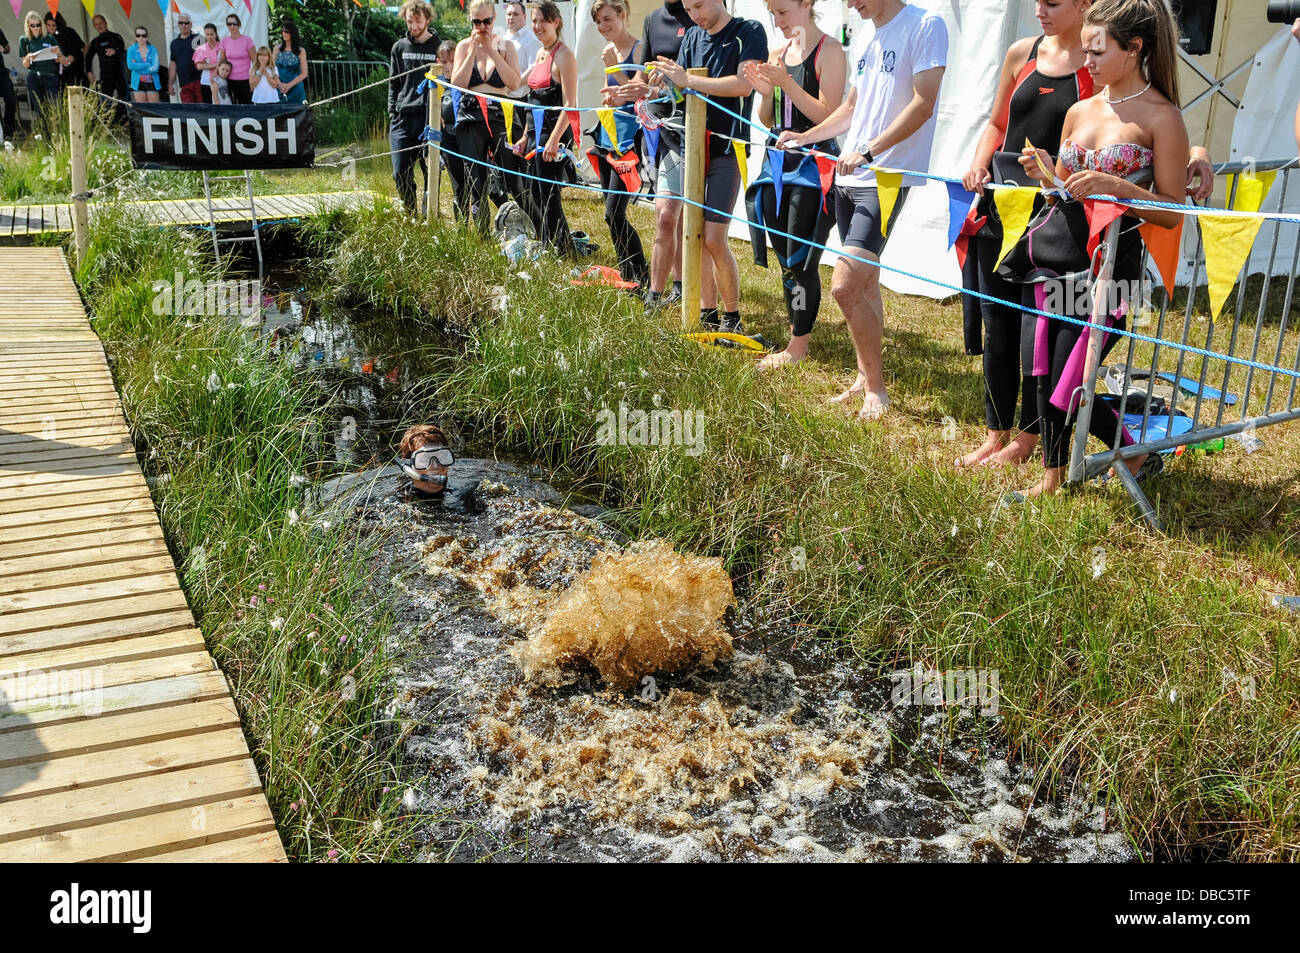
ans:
x=421 y=435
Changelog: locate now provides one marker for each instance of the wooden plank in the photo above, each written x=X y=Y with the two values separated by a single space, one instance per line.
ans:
x=64 y=487
x=118 y=607
x=24 y=524
x=13 y=607
x=232 y=829
x=100 y=632
x=59 y=502
x=122 y=764
x=34 y=581
x=135 y=696
x=115 y=529
x=179 y=642
x=123 y=800
x=25 y=694
x=112 y=731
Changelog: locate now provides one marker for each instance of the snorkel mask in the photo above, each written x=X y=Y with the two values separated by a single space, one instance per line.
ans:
x=657 y=110
x=424 y=458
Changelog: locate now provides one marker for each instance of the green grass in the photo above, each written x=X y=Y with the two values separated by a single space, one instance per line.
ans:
x=282 y=600
x=1114 y=679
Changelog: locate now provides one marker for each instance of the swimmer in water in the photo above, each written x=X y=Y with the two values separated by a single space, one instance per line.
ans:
x=425 y=458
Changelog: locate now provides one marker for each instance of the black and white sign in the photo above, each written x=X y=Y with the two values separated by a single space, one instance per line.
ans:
x=196 y=136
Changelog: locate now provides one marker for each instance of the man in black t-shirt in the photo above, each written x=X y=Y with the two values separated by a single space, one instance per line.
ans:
x=7 y=96
x=722 y=44
x=182 y=74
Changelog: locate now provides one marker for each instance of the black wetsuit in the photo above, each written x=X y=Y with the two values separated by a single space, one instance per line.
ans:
x=545 y=207
x=800 y=211
x=1035 y=111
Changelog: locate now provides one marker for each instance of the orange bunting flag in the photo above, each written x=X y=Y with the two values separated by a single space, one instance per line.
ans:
x=175 y=9
x=1099 y=214
x=1227 y=240
x=887 y=185
x=1251 y=189
x=1015 y=205
x=742 y=160
x=1163 y=245
x=53 y=5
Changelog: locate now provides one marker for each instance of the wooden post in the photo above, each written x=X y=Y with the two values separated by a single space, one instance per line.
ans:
x=432 y=155
x=694 y=156
x=77 y=142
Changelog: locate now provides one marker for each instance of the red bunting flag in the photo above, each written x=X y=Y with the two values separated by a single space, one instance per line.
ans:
x=576 y=128
x=1163 y=245
x=126 y=7
x=1100 y=214
x=483 y=108
x=826 y=173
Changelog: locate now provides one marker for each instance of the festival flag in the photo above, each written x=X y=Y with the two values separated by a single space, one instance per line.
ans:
x=776 y=169
x=52 y=4
x=88 y=4
x=606 y=117
x=1251 y=189
x=887 y=185
x=742 y=160
x=162 y=7
x=575 y=127
x=508 y=109
x=1099 y=214
x=1015 y=205
x=1163 y=245
x=959 y=202
x=16 y=4
x=175 y=9
x=482 y=107
x=1227 y=241
x=826 y=174
x=125 y=4
x=539 y=117
x=651 y=141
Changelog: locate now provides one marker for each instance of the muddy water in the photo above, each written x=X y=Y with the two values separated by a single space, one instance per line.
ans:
x=776 y=747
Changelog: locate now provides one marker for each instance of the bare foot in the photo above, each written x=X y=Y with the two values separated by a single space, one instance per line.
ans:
x=873 y=406
x=1016 y=452
x=779 y=359
x=977 y=457
x=858 y=386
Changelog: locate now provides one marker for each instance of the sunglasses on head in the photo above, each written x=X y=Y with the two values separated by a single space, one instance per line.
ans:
x=478 y=22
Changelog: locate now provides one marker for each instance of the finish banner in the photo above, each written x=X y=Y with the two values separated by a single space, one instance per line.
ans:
x=198 y=136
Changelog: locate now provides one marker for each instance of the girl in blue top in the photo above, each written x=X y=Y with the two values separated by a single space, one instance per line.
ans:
x=142 y=61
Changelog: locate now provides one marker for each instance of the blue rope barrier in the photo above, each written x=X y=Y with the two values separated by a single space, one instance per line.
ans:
x=1121 y=332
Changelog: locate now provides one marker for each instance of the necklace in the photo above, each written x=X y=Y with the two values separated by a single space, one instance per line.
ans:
x=1124 y=99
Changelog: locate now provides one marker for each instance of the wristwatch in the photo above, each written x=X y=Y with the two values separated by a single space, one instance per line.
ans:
x=865 y=150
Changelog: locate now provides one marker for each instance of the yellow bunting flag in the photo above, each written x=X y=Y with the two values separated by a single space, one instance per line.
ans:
x=508 y=109
x=90 y=7
x=742 y=160
x=606 y=117
x=887 y=185
x=1251 y=190
x=1015 y=205
x=1227 y=241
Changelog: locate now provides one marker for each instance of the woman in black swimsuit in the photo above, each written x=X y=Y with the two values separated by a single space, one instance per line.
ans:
x=552 y=81
x=488 y=64
x=801 y=84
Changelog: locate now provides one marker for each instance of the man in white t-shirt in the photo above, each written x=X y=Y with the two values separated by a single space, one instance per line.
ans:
x=518 y=32
x=895 y=68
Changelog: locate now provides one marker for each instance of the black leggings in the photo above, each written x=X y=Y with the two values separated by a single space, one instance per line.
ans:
x=1008 y=344
x=632 y=264
x=545 y=208
x=1058 y=426
x=801 y=214
x=476 y=142
x=240 y=93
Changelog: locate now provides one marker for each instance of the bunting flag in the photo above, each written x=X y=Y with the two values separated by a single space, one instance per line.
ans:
x=651 y=142
x=539 y=117
x=125 y=4
x=1251 y=190
x=576 y=128
x=959 y=203
x=88 y=4
x=52 y=4
x=606 y=117
x=1015 y=205
x=482 y=107
x=508 y=109
x=887 y=185
x=175 y=9
x=742 y=160
x=776 y=169
x=1163 y=245
x=162 y=7
x=826 y=173
x=16 y=4
x=249 y=4
x=1099 y=214
x=1227 y=241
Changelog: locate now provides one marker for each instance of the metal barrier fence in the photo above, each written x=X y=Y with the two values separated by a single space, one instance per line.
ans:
x=328 y=78
x=1267 y=393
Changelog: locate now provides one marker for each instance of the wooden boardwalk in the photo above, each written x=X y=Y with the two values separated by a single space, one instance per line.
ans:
x=22 y=221
x=118 y=736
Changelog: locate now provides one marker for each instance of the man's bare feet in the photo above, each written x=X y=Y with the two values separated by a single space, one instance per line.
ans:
x=991 y=445
x=857 y=387
x=779 y=359
x=874 y=406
